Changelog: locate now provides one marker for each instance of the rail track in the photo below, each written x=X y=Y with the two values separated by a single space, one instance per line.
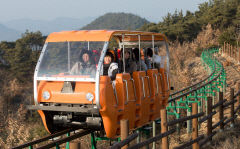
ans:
x=63 y=137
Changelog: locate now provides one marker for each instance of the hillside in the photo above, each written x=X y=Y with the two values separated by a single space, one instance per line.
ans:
x=119 y=21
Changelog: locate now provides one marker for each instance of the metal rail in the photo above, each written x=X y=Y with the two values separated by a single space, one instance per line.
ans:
x=66 y=139
x=57 y=142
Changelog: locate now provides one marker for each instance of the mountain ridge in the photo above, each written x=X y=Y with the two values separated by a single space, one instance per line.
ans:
x=48 y=26
x=117 y=21
x=8 y=34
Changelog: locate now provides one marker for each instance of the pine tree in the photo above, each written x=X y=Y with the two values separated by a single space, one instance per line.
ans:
x=24 y=59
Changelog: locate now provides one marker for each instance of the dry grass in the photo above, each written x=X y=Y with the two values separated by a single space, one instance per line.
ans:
x=228 y=139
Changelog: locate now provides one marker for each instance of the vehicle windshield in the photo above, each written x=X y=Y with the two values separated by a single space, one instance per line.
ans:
x=70 y=60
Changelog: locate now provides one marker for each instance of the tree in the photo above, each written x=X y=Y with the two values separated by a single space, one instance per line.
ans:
x=228 y=36
x=24 y=59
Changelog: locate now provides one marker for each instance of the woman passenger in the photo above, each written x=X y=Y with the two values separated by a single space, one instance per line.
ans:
x=84 y=66
x=110 y=68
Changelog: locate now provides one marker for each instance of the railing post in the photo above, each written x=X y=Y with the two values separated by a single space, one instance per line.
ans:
x=238 y=97
x=164 y=128
x=221 y=110
x=195 y=125
x=209 y=121
x=93 y=141
x=232 y=50
x=139 y=136
x=75 y=145
x=154 y=133
x=229 y=49
x=68 y=144
x=238 y=49
x=235 y=54
x=189 y=125
x=57 y=146
x=223 y=48
x=124 y=127
x=232 y=106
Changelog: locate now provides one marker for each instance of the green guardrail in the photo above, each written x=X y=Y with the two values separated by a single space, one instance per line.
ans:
x=199 y=92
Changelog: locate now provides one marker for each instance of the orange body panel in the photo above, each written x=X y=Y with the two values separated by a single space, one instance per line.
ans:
x=139 y=110
x=156 y=89
x=43 y=119
x=142 y=86
x=165 y=87
x=54 y=88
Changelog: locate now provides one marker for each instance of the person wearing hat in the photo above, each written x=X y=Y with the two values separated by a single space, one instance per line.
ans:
x=84 y=66
x=109 y=68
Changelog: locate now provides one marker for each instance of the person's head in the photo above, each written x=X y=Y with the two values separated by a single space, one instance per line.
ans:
x=149 y=52
x=136 y=54
x=126 y=54
x=85 y=56
x=108 y=58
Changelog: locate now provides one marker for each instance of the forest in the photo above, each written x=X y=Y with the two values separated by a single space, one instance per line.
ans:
x=221 y=14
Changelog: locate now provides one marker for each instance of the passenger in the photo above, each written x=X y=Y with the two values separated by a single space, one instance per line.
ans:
x=148 y=58
x=84 y=66
x=139 y=63
x=130 y=65
x=95 y=56
x=157 y=61
x=110 y=68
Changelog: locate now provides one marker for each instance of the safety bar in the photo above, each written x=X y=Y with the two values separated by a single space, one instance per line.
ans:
x=161 y=80
x=134 y=87
x=126 y=89
x=143 y=87
x=167 y=81
x=144 y=94
x=115 y=92
x=156 y=79
x=150 y=91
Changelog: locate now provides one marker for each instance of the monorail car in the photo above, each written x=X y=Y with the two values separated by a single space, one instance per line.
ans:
x=89 y=99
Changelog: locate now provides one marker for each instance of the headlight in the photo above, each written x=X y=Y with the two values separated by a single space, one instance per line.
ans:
x=46 y=95
x=89 y=96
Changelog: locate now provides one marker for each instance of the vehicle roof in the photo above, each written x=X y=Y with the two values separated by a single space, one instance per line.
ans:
x=102 y=35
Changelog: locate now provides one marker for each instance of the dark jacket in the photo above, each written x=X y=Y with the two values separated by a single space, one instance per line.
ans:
x=130 y=66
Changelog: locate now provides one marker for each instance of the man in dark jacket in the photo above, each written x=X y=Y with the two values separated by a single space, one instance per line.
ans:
x=130 y=65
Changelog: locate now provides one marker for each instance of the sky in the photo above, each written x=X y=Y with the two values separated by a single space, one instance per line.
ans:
x=152 y=10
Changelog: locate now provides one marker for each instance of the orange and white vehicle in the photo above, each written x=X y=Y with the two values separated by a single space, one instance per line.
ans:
x=87 y=98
